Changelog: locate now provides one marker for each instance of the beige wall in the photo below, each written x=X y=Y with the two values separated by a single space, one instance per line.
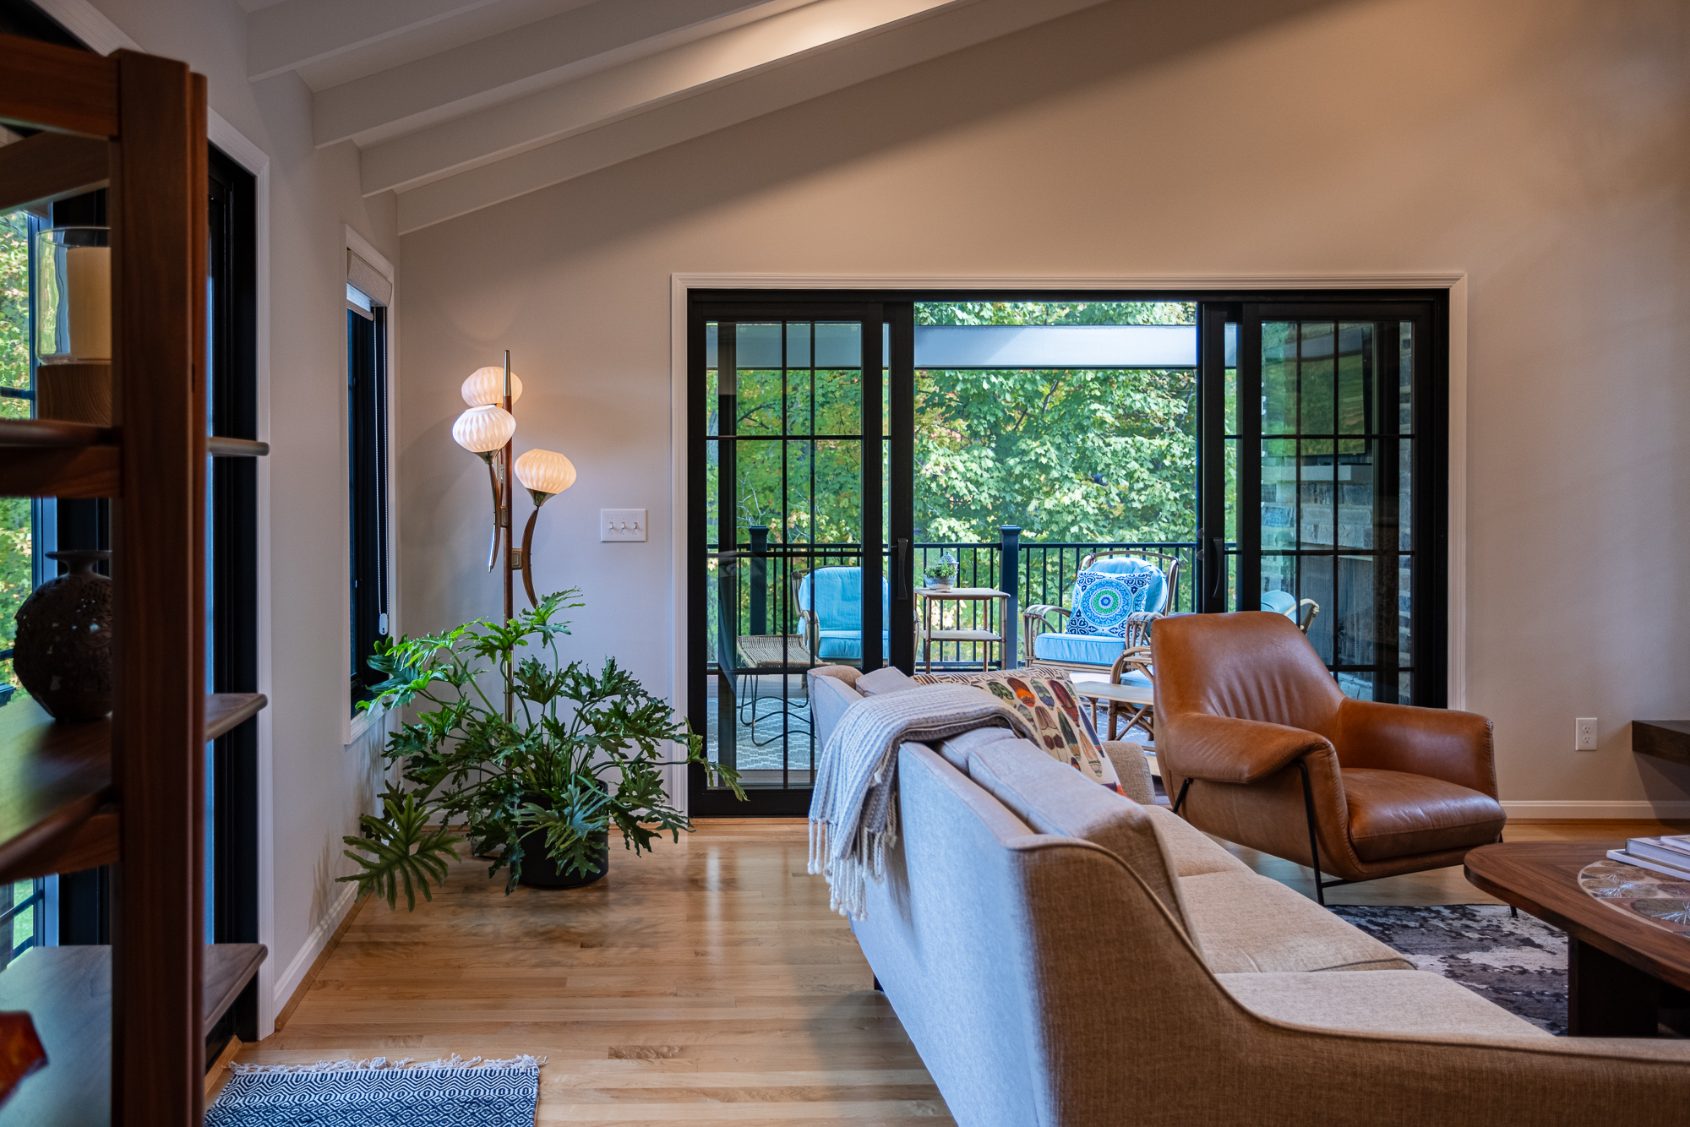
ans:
x=315 y=786
x=1537 y=146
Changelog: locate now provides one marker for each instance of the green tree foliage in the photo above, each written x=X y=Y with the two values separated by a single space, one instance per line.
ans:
x=15 y=571
x=1067 y=455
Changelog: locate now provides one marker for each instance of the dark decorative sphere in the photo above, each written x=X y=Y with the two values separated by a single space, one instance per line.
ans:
x=62 y=654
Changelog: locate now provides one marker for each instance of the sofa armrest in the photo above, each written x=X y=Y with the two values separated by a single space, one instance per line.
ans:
x=1132 y=770
x=1437 y=742
x=1222 y=749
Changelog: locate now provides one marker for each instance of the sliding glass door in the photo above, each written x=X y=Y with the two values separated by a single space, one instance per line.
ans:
x=1286 y=450
x=1324 y=469
x=791 y=518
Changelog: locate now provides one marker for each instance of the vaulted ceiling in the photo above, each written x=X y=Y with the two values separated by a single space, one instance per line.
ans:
x=459 y=104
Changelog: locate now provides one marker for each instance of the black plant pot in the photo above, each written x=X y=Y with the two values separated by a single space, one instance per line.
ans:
x=540 y=871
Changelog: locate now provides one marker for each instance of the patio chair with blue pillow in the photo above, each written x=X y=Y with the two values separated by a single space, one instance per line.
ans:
x=1106 y=626
x=1300 y=611
x=830 y=607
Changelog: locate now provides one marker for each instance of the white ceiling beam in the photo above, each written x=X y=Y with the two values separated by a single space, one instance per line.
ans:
x=294 y=33
x=563 y=47
x=723 y=105
x=574 y=107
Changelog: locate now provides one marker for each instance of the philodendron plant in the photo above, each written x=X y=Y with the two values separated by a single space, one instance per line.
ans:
x=583 y=751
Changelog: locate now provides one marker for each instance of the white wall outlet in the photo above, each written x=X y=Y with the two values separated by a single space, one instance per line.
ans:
x=622 y=524
x=1584 y=733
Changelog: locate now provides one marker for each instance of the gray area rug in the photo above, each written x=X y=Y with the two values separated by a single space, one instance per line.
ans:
x=1520 y=964
x=451 y=1092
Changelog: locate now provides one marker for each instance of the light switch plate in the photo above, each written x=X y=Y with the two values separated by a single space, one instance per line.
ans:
x=621 y=524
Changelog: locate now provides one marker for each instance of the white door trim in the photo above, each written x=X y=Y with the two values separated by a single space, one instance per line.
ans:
x=1453 y=282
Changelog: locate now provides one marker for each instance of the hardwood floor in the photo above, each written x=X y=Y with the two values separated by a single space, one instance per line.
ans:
x=706 y=982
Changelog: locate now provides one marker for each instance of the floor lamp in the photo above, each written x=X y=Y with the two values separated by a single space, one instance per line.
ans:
x=486 y=429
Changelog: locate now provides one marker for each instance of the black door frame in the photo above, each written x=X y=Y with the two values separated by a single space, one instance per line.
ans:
x=1215 y=307
x=887 y=433
x=1428 y=311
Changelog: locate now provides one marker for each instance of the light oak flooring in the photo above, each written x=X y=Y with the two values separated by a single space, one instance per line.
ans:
x=707 y=982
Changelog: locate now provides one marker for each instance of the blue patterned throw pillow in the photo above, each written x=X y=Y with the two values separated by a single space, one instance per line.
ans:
x=1103 y=602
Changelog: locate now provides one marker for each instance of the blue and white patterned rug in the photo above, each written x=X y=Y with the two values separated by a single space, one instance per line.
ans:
x=380 y=1093
x=1520 y=964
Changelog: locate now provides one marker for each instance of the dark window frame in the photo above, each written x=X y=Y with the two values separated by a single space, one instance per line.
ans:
x=369 y=472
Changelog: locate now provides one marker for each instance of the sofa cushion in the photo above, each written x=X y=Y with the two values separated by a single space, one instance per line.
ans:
x=1054 y=800
x=955 y=750
x=1244 y=922
x=1190 y=851
x=832 y=691
x=887 y=679
x=1046 y=700
x=1402 y=1003
x=1395 y=814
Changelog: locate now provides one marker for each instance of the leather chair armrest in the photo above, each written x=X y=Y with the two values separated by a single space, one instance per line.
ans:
x=1443 y=744
x=1132 y=769
x=1222 y=749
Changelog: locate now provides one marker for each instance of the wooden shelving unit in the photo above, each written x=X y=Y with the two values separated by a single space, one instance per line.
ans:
x=124 y=1026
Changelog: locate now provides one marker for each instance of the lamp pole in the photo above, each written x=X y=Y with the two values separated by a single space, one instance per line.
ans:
x=488 y=430
x=505 y=511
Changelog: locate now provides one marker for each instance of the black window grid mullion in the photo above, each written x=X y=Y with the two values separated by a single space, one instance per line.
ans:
x=785 y=523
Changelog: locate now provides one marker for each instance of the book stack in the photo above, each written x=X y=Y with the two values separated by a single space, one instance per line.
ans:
x=1668 y=855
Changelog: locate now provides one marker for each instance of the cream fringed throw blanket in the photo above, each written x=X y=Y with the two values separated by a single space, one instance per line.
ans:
x=851 y=810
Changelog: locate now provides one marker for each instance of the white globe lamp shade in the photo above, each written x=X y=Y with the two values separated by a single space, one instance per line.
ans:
x=482 y=430
x=486 y=387
x=545 y=471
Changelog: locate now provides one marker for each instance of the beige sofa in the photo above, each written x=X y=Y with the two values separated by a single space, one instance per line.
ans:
x=1060 y=955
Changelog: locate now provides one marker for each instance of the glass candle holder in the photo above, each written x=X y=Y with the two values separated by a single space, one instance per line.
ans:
x=73 y=295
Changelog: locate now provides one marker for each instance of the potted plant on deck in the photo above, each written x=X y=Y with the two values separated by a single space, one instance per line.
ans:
x=940 y=573
x=536 y=794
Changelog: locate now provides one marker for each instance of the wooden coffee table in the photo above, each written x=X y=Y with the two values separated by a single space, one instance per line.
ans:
x=1619 y=965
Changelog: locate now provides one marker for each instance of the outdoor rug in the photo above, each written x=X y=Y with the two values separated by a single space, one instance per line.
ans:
x=1520 y=964
x=380 y=1093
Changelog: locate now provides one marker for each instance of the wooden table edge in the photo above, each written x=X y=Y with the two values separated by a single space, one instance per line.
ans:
x=1591 y=934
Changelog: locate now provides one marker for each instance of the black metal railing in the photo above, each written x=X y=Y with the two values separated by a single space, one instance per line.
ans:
x=761 y=591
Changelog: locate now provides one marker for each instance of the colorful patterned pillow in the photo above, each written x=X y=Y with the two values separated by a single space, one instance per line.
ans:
x=1103 y=602
x=1045 y=698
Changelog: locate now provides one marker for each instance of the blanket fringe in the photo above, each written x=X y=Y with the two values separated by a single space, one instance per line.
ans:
x=397 y=1064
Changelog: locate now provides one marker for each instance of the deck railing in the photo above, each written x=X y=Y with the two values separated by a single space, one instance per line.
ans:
x=765 y=579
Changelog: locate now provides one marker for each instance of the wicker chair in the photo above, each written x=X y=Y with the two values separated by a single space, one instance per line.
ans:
x=1126 y=660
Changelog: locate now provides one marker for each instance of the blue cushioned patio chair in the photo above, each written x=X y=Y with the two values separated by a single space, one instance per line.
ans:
x=1045 y=630
x=1124 y=652
x=745 y=659
x=1300 y=611
x=830 y=609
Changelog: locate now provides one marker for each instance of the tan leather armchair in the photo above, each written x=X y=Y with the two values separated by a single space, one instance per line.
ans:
x=1258 y=745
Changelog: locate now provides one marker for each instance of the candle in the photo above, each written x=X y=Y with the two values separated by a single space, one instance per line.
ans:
x=87 y=302
x=73 y=296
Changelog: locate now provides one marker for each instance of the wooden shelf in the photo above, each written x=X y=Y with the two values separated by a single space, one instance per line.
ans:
x=53 y=434
x=47 y=458
x=53 y=777
x=224 y=712
x=237 y=447
x=55 y=786
x=67 y=992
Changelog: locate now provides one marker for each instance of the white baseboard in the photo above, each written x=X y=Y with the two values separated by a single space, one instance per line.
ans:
x=1575 y=810
x=315 y=944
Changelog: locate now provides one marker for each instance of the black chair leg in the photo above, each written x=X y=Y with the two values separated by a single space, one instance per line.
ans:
x=1314 y=833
